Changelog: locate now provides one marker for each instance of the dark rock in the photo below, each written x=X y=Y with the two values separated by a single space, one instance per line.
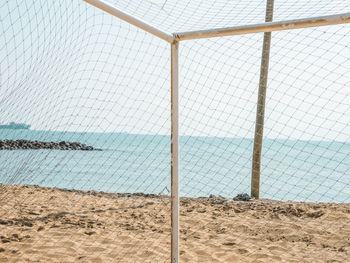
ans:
x=243 y=197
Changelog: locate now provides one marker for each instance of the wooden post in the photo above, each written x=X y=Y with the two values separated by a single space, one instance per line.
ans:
x=260 y=112
x=175 y=152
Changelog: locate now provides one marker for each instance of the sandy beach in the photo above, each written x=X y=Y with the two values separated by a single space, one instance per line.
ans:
x=56 y=225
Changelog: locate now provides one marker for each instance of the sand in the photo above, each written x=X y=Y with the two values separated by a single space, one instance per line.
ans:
x=56 y=225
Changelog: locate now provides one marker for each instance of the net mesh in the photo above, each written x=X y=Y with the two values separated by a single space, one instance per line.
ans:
x=79 y=75
x=305 y=155
x=180 y=16
x=307 y=106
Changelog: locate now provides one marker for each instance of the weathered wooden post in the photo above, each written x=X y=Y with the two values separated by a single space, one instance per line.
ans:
x=260 y=112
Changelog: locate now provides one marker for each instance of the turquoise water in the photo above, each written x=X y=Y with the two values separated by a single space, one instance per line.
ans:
x=316 y=171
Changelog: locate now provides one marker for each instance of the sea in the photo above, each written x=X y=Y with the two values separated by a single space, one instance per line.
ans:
x=295 y=170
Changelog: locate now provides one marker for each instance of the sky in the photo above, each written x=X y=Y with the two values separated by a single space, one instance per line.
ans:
x=67 y=66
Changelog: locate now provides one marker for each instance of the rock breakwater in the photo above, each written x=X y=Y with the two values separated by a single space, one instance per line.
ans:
x=37 y=145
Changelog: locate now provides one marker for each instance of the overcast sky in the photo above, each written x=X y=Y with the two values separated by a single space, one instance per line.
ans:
x=67 y=66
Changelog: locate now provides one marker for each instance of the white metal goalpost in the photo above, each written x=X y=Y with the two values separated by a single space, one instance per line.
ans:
x=174 y=39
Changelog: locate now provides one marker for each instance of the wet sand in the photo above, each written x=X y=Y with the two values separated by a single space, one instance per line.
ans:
x=56 y=225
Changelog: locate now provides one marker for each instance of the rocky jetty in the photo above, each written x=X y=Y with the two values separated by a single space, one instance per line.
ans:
x=36 y=145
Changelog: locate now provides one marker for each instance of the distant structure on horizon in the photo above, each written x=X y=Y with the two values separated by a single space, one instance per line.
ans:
x=15 y=126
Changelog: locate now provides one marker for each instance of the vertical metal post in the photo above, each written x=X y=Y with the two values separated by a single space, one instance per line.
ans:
x=260 y=112
x=175 y=152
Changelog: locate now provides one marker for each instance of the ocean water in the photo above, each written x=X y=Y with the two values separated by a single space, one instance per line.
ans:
x=315 y=171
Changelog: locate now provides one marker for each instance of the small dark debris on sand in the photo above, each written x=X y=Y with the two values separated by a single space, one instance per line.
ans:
x=243 y=197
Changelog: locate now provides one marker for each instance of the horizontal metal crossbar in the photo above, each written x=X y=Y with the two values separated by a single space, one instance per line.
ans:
x=266 y=27
x=226 y=31
x=131 y=19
